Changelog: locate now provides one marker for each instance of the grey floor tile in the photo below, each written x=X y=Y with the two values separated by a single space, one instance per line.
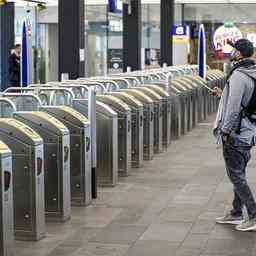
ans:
x=64 y=251
x=94 y=217
x=187 y=252
x=195 y=241
x=171 y=232
x=228 y=246
x=152 y=248
x=178 y=213
x=203 y=227
x=96 y=249
x=119 y=234
x=80 y=237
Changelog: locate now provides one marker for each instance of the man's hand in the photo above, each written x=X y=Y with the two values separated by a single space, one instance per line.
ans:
x=217 y=92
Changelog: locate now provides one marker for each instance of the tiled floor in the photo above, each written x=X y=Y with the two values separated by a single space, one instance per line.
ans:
x=168 y=207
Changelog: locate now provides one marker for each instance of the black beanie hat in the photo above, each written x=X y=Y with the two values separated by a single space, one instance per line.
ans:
x=244 y=46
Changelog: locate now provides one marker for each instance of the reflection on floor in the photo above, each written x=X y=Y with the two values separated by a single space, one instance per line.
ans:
x=167 y=207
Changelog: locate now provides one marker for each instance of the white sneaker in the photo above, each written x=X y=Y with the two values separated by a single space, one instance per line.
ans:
x=230 y=219
x=248 y=225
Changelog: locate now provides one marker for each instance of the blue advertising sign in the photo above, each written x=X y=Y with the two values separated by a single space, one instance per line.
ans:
x=180 y=31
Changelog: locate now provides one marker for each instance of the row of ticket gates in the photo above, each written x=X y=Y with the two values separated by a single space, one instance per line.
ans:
x=61 y=140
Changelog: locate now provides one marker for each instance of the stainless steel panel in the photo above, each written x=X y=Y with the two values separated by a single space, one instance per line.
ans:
x=28 y=178
x=167 y=105
x=184 y=104
x=107 y=159
x=80 y=152
x=6 y=202
x=136 y=126
x=124 y=131
x=56 y=162
x=194 y=99
x=176 y=108
x=148 y=122
x=190 y=98
x=158 y=117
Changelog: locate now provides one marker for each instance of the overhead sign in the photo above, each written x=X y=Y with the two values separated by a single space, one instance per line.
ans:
x=224 y=34
x=180 y=34
x=115 y=6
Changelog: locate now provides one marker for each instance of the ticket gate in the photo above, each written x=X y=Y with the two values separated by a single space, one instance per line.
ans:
x=177 y=88
x=110 y=85
x=206 y=94
x=148 y=122
x=176 y=109
x=6 y=202
x=133 y=81
x=80 y=138
x=194 y=98
x=107 y=139
x=166 y=113
x=137 y=126
x=158 y=117
x=187 y=90
x=80 y=152
x=202 y=96
x=122 y=83
x=28 y=178
x=124 y=131
x=57 y=162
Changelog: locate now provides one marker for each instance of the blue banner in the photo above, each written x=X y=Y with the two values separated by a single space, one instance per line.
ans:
x=24 y=58
x=202 y=53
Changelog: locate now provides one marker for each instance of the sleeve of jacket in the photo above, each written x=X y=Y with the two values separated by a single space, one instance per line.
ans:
x=236 y=93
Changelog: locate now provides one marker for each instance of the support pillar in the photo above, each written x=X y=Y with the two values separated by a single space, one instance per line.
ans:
x=71 y=38
x=6 y=42
x=132 y=35
x=167 y=22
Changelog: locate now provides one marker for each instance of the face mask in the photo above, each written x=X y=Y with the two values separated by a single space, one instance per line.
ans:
x=235 y=56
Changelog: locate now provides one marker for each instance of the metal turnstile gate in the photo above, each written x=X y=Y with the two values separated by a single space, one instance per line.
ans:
x=184 y=104
x=6 y=202
x=80 y=152
x=167 y=108
x=107 y=140
x=148 y=122
x=137 y=126
x=158 y=117
x=28 y=178
x=124 y=131
x=56 y=164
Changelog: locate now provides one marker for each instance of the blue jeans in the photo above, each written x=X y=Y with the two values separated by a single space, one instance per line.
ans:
x=236 y=159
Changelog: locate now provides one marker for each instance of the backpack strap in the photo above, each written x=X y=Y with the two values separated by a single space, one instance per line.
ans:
x=250 y=109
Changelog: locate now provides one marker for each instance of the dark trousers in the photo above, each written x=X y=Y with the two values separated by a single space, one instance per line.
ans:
x=236 y=159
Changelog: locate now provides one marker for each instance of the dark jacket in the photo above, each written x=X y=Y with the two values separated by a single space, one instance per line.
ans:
x=14 y=70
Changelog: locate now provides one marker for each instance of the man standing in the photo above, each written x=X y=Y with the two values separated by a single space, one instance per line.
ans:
x=236 y=126
x=14 y=66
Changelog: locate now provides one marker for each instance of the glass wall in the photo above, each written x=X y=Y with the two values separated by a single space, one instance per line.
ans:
x=96 y=40
x=151 y=35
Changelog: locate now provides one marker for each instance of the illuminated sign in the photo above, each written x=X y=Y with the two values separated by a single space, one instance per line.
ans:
x=180 y=34
x=224 y=34
x=115 y=6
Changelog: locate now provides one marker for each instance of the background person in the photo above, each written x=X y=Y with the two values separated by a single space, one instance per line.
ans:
x=236 y=126
x=14 y=66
